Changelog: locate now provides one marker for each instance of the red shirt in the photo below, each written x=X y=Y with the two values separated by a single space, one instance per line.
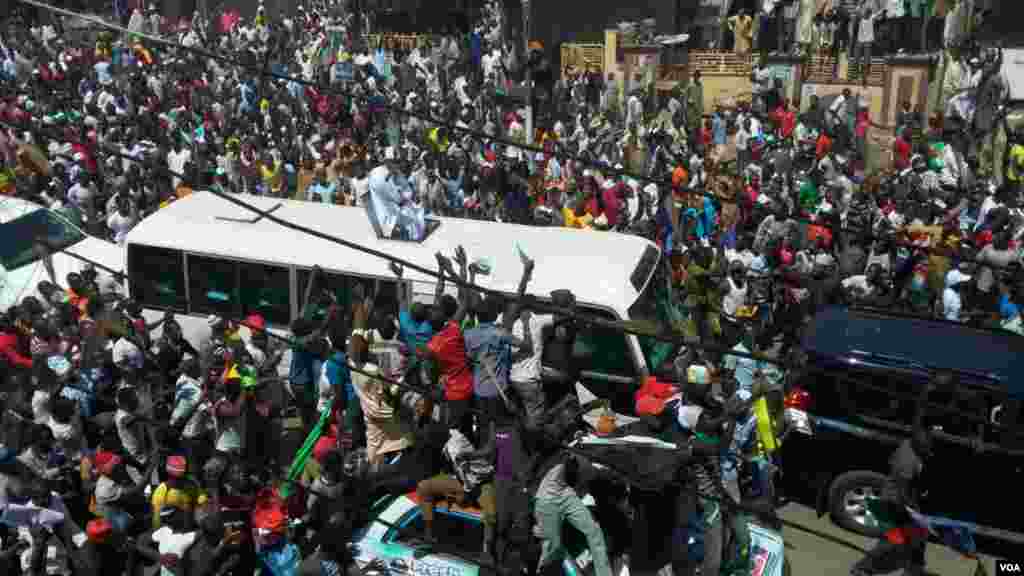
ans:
x=901 y=152
x=706 y=136
x=824 y=146
x=449 y=348
x=611 y=204
x=787 y=123
x=9 y=350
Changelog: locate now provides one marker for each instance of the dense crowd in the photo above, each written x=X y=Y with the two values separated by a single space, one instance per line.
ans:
x=127 y=446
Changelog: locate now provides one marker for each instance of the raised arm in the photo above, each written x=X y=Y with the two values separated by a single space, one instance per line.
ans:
x=465 y=294
x=306 y=309
x=524 y=281
x=442 y=267
x=403 y=295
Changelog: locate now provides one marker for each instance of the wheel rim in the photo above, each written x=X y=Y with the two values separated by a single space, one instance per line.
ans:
x=855 y=504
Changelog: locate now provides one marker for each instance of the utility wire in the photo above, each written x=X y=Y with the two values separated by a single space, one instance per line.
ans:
x=625 y=476
x=453 y=128
x=534 y=305
x=574 y=314
x=863 y=235
x=530 y=301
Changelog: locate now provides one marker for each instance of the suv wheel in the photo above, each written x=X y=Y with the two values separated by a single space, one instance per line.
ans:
x=848 y=501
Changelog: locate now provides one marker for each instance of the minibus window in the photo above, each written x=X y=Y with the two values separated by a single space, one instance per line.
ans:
x=341 y=286
x=263 y=290
x=213 y=286
x=337 y=284
x=156 y=277
x=604 y=350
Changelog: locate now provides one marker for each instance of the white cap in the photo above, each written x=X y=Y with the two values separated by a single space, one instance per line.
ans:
x=125 y=352
x=954 y=277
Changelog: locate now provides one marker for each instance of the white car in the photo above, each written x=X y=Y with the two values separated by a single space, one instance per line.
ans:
x=22 y=263
x=394 y=538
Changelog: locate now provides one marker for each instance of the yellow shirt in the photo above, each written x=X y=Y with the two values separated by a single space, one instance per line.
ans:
x=440 y=146
x=574 y=221
x=185 y=500
x=1016 y=164
x=273 y=176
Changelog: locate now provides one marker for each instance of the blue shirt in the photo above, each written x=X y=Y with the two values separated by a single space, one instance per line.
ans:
x=1007 y=309
x=412 y=334
x=489 y=349
x=302 y=370
x=339 y=376
x=326 y=192
x=718 y=135
x=474 y=48
x=743 y=368
x=103 y=72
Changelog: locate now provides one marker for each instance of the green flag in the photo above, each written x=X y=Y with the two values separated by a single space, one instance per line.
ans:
x=299 y=463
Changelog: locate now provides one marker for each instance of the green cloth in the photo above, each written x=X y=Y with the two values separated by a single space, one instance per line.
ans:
x=808 y=195
x=936 y=162
x=299 y=462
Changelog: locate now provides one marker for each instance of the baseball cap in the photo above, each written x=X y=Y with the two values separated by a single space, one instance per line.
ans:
x=955 y=277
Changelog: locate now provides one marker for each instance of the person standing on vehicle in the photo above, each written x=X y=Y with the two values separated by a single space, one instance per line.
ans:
x=705 y=431
x=471 y=481
x=557 y=500
x=447 y=347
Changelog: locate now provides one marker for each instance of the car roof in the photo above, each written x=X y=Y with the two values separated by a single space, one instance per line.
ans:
x=595 y=266
x=937 y=345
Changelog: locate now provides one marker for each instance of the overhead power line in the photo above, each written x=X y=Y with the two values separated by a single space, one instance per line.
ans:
x=263 y=72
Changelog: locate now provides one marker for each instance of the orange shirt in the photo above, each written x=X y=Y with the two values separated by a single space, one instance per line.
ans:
x=824 y=146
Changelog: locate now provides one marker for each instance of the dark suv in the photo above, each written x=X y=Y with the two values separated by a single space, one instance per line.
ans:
x=864 y=373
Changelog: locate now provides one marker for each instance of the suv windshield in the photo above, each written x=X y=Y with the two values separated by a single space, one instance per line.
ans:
x=18 y=237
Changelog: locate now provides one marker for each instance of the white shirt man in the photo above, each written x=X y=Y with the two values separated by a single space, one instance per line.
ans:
x=635 y=111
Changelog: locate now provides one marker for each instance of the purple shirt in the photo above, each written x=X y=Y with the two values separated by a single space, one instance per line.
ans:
x=509 y=454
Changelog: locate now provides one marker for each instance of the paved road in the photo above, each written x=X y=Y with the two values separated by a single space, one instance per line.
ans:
x=819 y=548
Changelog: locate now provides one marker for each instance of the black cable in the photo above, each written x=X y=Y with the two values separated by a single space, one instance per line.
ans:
x=479 y=135
x=625 y=476
x=452 y=128
x=575 y=315
x=535 y=305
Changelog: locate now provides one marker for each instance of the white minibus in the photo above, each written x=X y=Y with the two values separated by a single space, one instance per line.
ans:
x=203 y=255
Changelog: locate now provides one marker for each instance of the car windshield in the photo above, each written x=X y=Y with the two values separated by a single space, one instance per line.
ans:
x=19 y=237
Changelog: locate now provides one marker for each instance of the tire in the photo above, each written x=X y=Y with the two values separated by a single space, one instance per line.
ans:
x=843 y=496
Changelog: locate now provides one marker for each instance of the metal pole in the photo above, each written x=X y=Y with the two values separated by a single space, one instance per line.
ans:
x=529 y=79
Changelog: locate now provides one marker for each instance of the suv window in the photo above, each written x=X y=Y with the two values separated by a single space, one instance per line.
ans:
x=156 y=277
x=213 y=286
x=265 y=290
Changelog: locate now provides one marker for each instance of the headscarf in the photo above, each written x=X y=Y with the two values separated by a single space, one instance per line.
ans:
x=176 y=466
x=106 y=462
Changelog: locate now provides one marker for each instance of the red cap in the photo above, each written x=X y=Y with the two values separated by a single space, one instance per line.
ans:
x=98 y=530
x=176 y=466
x=255 y=322
x=105 y=462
